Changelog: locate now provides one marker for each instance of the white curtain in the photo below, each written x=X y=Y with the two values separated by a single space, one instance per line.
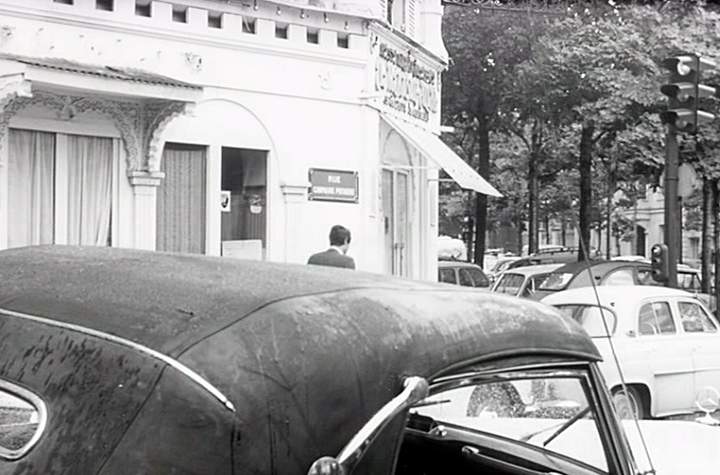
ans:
x=89 y=165
x=31 y=188
x=181 y=200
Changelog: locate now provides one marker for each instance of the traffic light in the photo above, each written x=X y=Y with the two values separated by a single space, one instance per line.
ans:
x=660 y=262
x=684 y=91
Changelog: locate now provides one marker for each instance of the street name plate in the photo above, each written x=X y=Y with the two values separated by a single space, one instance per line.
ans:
x=333 y=185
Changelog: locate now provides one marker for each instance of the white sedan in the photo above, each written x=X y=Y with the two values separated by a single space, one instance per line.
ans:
x=666 y=341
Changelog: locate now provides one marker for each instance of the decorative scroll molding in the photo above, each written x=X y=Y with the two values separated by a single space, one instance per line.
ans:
x=124 y=115
x=157 y=116
x=141 y=125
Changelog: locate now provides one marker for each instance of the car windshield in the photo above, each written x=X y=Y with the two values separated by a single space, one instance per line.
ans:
x=509 y=284
x=549 y=410
x=555 y=281
x=590 y=317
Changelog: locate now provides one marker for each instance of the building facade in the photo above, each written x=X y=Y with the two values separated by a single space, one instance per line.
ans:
x=234 y=128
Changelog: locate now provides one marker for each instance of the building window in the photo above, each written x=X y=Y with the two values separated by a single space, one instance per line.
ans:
x=142 y=8
x=64 y=2
x=60 y=194
x=179 y=14
x=106 y=5
x=214 y=20
x=342 y=41
x=313 y=37
x=396 y=13
x=248 y=25
x=281 y=31
x=694 y=248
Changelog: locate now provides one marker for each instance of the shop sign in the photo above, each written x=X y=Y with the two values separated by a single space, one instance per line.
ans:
x=333 y=185
x=407 y=86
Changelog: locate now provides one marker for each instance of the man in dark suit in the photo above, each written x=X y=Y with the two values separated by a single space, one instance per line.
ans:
x=335 y=256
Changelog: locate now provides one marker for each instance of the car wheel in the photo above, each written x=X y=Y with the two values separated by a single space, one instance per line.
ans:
x=628 y=405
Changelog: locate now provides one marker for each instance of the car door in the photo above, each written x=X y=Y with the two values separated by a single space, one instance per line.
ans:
x=701 y=330
x=667 y=352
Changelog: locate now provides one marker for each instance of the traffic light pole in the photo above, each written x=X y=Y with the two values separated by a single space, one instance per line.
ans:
x=672 y=212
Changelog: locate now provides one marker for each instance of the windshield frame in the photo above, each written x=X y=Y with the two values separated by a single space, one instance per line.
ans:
x=615 y=444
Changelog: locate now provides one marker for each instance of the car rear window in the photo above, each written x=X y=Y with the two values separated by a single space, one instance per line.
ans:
x=590 y=317
x=447 y=275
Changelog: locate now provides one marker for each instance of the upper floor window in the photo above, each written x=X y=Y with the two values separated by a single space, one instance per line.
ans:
x=396 y=13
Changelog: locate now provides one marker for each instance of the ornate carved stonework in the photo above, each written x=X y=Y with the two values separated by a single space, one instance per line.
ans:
x=140 y=124
x=157 y=116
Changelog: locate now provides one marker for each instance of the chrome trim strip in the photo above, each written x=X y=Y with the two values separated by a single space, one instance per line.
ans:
x=199 y=380
x=39 y=405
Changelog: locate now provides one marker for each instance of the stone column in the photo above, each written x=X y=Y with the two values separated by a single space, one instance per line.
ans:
x=145 y=185
x=295 y=198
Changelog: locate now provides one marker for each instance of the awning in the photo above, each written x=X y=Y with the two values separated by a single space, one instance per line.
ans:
x=435 y=150
x=70 y=75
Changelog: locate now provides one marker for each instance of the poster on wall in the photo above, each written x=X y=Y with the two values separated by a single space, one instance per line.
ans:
x=225 y=201
x=333 y=185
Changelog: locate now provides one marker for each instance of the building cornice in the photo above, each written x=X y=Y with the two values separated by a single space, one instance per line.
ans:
x=249 y=43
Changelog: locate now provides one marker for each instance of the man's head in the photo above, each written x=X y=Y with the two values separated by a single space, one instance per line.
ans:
x=340 y=237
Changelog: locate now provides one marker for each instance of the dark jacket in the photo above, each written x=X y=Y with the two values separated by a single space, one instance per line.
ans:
x=333 y=258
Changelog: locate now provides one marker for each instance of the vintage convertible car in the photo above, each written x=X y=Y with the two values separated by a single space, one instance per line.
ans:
x=118 y=361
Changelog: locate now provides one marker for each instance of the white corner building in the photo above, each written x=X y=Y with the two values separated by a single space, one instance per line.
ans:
x=241 y=128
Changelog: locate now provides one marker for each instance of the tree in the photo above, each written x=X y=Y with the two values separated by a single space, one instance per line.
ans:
x=480 y=75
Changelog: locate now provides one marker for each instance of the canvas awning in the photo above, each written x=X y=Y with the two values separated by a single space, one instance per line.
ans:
x=435 y=150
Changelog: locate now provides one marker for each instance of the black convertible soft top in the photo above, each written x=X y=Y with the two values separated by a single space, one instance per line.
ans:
x=169 y=302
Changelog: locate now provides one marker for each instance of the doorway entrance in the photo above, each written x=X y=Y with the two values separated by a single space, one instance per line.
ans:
x=243 y=203
x=395 y=190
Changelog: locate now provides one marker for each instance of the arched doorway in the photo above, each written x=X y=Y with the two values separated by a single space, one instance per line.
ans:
x=227 y=153
x=397 y=179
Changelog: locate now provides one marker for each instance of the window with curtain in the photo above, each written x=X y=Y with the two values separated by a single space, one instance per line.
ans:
x=31 y=188
x=89 y=187
x=181 y=200
x=59 y=182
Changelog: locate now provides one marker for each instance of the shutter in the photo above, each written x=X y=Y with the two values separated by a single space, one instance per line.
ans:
x=383 y=13
x=410 y=13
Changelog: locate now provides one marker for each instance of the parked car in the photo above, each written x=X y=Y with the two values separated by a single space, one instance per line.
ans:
x=522 y=281
x=120 y=361
x=462 y=273
x=619 y=272
x=548 y=256
x=500 y=266
x=666 y=340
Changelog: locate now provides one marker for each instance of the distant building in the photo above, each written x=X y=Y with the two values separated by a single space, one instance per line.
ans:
x=227 y=128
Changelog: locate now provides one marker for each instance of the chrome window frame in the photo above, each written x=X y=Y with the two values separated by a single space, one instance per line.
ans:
x=41 y=408
x=584 y=372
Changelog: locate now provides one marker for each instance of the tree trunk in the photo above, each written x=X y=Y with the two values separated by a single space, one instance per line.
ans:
x=533 y=191
x=483 y=138
x=585 y=166
x=707 y=240
x=608 y=211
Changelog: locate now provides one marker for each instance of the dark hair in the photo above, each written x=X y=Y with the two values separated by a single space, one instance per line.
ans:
x=339 y=235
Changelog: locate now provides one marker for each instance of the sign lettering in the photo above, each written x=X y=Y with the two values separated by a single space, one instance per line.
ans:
x=407 y=86
x=333 y=185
